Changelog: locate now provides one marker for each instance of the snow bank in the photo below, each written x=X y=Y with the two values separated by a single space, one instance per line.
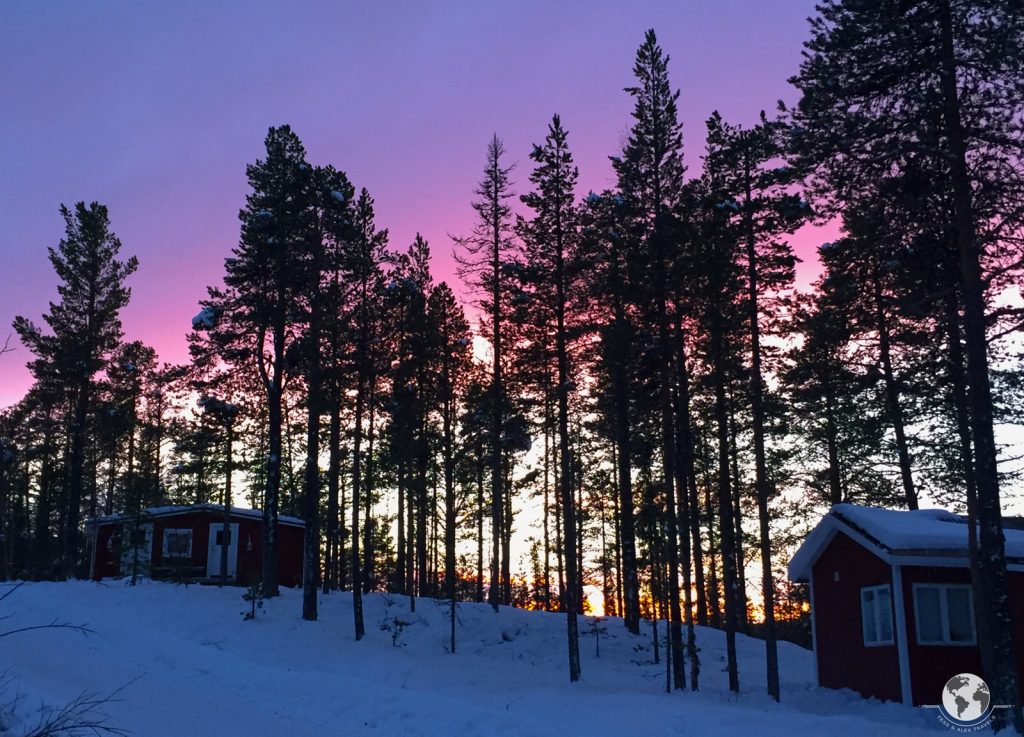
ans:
x=190 y=665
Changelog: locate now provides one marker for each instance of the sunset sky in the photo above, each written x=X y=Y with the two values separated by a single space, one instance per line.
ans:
x=154 y=109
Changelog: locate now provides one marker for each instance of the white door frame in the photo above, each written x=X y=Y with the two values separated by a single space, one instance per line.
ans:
x=213 y=551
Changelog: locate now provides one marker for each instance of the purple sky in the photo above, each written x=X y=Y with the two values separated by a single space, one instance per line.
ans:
x=155 y=108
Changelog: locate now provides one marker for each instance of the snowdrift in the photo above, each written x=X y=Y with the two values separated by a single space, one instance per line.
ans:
x=187 y=664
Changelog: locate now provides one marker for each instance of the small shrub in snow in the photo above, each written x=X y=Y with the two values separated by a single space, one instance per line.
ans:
x=396 y=627
x=254 y=595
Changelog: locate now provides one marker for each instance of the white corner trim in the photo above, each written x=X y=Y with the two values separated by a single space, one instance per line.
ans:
x=902 y=650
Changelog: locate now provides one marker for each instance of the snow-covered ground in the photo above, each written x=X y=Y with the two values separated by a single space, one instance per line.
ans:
x=189 y=665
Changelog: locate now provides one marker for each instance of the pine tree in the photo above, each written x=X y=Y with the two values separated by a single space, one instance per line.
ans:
x=604 y=258
x=481 y=261
x=330 y=231
x=650 y=178
x=85 y=327
x=452 y=351
x=872 y=72
x=765 y=211
x=550 y=239
x=254 y=318
x=363 y=267
x=716 y=290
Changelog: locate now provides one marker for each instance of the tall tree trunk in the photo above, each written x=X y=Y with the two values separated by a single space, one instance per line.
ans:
x=958 y=390
x=402 y=533
x=357 y=460
x=410 y=541
x=368 y=522
x=624 y=478
x=311 y=479
x=497 y=397
x=668 y=475
x=991 y=543
x=225 y=530
x=422 y=582
x=480 y=530
x=547 y=502
x=737 y=483
x=892 y=395
x=835 y=489
x=273 y=487
x=684 y=472
x=132 y=492
x=448 y=461
x=70 y=537
x=761 y=483
x=333 y=478
x=725 y=507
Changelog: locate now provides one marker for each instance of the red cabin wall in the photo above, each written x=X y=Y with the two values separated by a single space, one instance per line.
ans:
x=932 y=665
x=1017 y=612
x=107 y=562
x=250 y=552
x=843 y=659
x=199 y=523
x=290 y=555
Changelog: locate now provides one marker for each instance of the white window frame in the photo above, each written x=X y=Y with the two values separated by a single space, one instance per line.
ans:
x=179 y=531
x=877 y=615
x=942 y=588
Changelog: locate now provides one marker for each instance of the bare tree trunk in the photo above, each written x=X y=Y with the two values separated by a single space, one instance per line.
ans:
x=761 y=483
x=991 y=544
x=333 y=478
x=274 y=428
x=357 y=467
x=624 y=478
x=725 y=507
x=225 y=534
x=684 y=472
x=368 y=523
x=311 y=478
x=480 y=531
x=892 y=396
x=832 y=435
x=70 y=537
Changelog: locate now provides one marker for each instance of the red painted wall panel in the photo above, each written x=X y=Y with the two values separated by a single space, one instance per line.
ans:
x=843 y=659
x=932 y=665
x=250 y=546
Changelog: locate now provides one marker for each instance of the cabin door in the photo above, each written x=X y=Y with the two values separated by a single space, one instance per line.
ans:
x=213 y=554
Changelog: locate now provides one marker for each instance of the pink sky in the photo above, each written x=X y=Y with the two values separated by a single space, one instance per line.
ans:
x=155 y=109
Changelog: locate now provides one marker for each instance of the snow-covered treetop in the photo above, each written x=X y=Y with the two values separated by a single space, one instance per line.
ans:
x=205 y=319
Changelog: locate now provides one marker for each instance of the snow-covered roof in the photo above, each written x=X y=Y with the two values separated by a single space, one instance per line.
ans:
x=896 y=535
x=169 y=511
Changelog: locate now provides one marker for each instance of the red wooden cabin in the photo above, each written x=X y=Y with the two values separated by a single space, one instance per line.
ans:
x=892 y=612
x=184 y=543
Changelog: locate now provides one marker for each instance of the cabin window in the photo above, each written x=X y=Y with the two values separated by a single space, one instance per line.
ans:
x=944 y=614
x=876 y=614
x=177 y=543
